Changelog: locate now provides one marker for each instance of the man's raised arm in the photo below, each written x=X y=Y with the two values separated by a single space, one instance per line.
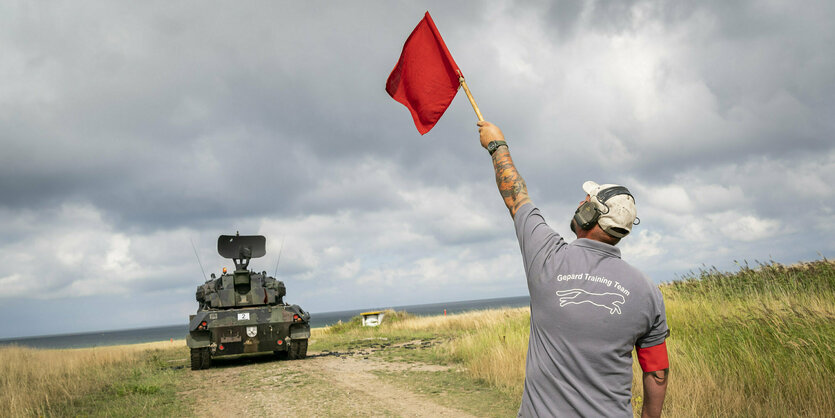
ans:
x=511 y=184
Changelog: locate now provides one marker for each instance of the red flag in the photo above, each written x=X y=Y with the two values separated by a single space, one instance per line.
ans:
x=425 y=78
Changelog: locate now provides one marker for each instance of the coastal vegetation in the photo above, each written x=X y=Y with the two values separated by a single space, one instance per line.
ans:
x=754 y=342
x=126 y=380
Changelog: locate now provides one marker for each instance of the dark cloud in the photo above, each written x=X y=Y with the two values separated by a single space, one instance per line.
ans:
x=150 y=109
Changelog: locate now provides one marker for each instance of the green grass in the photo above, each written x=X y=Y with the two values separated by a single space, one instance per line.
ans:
x=766 y=279
x=755 y=342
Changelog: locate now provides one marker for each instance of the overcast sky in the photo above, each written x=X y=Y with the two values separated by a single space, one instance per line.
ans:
x=128 y=130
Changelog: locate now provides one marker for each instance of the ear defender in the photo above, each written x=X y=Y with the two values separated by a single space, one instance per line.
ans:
x=587 y=215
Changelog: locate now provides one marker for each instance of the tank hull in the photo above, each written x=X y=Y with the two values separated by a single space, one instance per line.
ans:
x=248 y=330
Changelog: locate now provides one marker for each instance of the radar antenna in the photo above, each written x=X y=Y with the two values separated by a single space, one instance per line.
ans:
x=198 y=259
x=241 y=248
x=279 y=256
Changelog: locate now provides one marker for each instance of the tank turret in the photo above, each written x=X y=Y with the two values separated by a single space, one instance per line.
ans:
x=241 y=287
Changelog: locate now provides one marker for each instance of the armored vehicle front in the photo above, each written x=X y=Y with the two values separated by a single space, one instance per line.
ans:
x=244 y=311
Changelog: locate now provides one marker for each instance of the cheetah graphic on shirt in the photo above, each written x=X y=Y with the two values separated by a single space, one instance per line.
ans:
x=610 y=301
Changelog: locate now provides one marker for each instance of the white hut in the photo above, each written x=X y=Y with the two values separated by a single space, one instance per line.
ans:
x=372 y=319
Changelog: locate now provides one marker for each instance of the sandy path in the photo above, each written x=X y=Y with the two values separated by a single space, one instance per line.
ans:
x=321 y=385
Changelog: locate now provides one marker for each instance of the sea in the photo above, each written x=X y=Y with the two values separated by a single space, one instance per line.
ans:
x=164 y=333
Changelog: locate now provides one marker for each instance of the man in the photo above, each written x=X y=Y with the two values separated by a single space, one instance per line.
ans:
x=588 y=307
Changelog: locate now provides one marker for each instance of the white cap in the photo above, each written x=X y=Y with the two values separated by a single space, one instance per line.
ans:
x=617 y=213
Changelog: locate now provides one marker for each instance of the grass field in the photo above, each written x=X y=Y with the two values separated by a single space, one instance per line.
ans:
x=756 y=342
x=128 y=380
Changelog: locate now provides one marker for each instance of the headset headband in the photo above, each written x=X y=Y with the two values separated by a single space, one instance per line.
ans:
x=606 y=194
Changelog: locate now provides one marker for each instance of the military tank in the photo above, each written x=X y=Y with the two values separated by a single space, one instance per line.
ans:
x=244 y=311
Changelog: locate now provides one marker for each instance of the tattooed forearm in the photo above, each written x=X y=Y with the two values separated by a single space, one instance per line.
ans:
x=511 y=184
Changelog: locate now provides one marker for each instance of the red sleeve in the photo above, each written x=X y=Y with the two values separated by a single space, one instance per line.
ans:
x=653 y=358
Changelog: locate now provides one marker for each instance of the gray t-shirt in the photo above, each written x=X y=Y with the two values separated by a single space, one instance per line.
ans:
x=589 y=309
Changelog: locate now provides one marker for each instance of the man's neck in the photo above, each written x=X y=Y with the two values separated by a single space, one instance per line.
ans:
x=597 y=234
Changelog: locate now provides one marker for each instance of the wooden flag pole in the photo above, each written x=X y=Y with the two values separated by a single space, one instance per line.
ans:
x=470 y=96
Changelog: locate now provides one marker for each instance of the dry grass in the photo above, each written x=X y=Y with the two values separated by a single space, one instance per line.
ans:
x=491 y=344
x=33 y=381
x=754 y=358
x=758 y=342
x=493 y=348
x=467 y=321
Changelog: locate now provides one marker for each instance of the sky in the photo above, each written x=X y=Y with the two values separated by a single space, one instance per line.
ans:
x=131 y=130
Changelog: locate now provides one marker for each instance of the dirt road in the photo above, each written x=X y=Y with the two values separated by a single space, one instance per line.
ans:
x=321 y=385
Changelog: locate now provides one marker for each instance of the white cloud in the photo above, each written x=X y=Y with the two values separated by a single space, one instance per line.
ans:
x=644 y=245
x=713 y=197
x=747 y=228
x=72 y=251
x=670 y=198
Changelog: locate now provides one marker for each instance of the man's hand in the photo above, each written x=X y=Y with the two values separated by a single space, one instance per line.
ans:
x=489 y=132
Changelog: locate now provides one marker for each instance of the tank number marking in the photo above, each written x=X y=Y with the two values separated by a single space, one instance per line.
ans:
x=243 y=316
